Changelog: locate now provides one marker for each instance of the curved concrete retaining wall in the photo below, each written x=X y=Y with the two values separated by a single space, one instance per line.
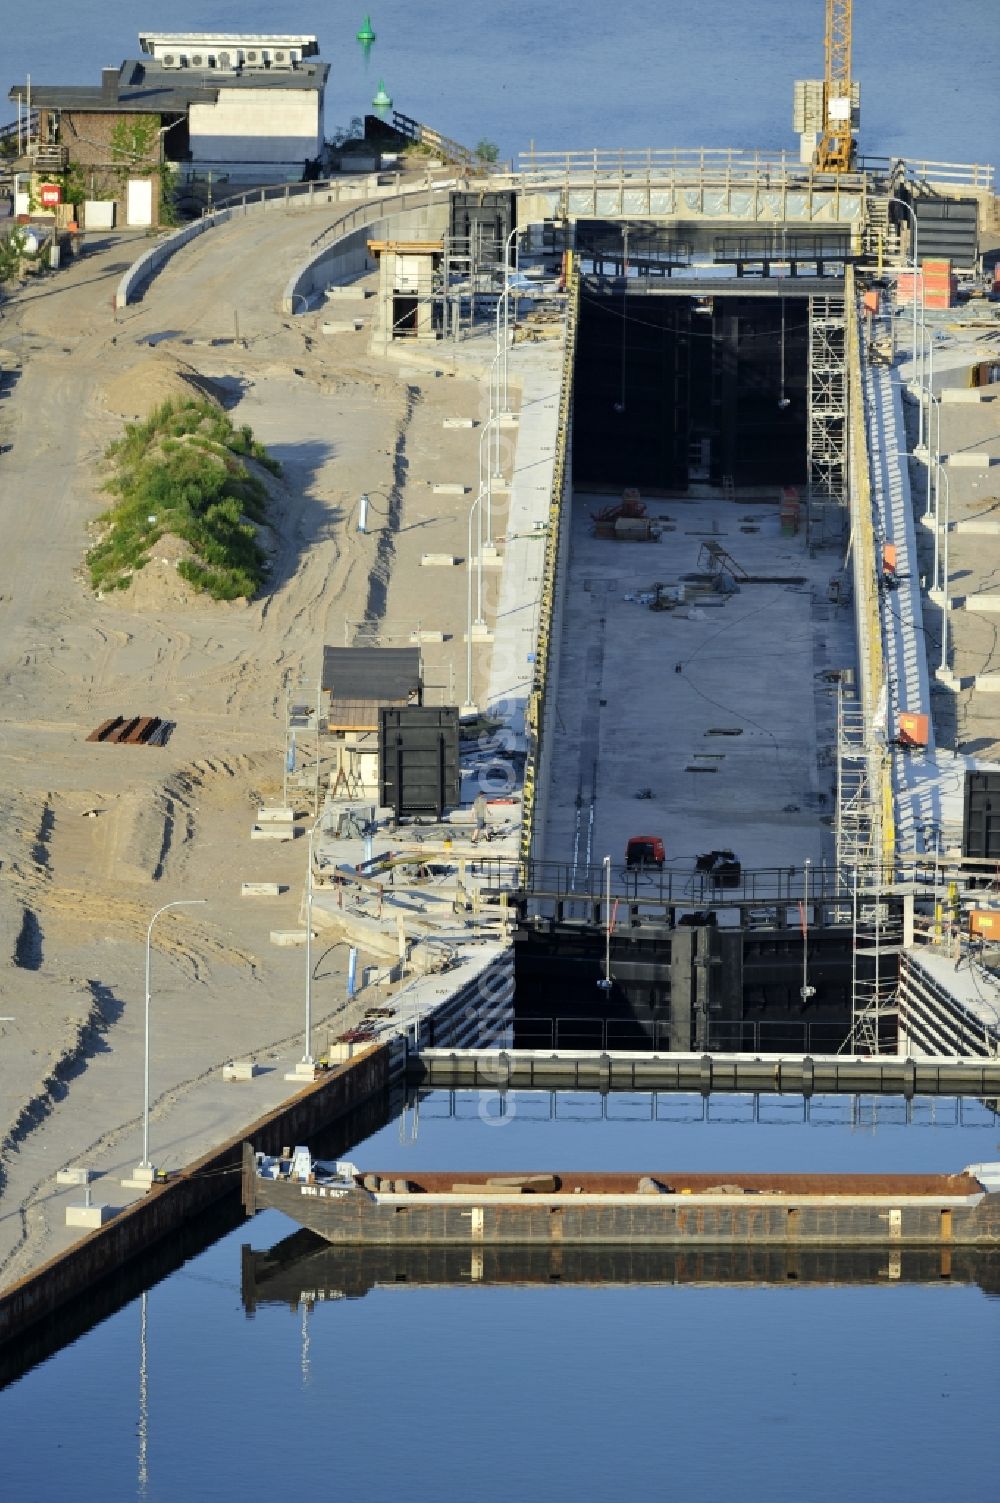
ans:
x=143 y=270
x=410 y=216
x=366 y=203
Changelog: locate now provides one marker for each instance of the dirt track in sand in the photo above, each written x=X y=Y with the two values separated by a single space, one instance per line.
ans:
x=93 y=838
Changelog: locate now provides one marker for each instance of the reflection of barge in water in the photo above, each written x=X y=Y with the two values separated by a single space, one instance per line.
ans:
x=675 y=1208
x=305 y=1269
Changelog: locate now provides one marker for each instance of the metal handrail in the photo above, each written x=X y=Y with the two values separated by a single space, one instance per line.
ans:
x=560 y=882
x=710 y=167
x=714 y=164
x=544 y=644
x=972 y=174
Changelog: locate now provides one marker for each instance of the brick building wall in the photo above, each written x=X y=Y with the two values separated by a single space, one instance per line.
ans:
x=88 y=137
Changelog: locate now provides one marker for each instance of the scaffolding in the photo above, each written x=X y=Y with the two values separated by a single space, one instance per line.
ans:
x=472 y=269
x=877 y=935
x=865 y=822
x=876 y=922
x=826 y=429
x=857 y=813
x=303 y=753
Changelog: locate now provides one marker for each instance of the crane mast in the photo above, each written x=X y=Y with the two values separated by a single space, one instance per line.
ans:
x=836 y=147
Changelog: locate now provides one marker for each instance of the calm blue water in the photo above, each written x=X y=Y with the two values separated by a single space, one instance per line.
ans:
x=718 y=73
x=542 y=1393
x=761 y=1394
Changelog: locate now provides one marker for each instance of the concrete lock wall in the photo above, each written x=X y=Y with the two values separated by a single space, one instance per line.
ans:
x=165 y=1208
x=546 y=770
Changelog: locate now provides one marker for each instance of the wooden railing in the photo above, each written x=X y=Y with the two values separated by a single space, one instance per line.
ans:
x=47 y=158
x=715 y=166
x=953 y=174
x=425 y=135
x=700 y=168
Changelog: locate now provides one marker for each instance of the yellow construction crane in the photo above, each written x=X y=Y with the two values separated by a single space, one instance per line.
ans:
x=835 y=152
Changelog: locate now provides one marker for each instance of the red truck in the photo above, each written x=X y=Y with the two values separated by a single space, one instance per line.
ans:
x=644 y=850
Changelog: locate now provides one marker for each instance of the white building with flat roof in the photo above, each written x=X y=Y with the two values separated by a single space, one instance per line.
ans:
x=227 y=50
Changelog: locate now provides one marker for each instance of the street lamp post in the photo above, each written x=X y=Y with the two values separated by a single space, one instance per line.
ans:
x=305 y=1069
x=933 y=455
x=468 y=610
x=486 y=477
x=944 y=570
x=915 y=258
x=805 y=991
x=926 y=387
x=145 y=1170
x=942 y=474
x=605 y=982
x=505 y=299
x=501 y=339
x=307 y=1057
x=508 y=243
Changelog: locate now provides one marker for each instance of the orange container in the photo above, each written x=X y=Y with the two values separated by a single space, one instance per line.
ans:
x=985 y=921
x=888 y=558
x=871 y=300
x=913 y=730
x=904 y=286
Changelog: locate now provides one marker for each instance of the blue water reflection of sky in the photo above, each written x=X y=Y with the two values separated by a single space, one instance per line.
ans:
x=555 y=1394
x=583 y=1130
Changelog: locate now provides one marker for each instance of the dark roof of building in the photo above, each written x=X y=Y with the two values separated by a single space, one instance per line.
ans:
x=377 y=675
x=144 y=87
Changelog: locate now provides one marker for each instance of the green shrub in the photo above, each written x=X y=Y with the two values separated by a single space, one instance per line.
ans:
x=178 y=472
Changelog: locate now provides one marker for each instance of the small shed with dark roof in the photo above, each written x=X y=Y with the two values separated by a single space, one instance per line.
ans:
x=362 y=680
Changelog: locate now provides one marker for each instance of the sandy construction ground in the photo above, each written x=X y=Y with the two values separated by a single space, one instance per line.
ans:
x=94 y=838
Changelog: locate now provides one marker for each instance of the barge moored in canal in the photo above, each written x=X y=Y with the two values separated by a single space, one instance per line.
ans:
x=343 y=1205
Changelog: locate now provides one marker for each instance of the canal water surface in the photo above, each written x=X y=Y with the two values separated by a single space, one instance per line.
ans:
x=819 y=1388
x=730 y=1389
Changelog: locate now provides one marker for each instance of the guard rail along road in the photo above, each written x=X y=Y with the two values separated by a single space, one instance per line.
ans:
x=365 y=208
